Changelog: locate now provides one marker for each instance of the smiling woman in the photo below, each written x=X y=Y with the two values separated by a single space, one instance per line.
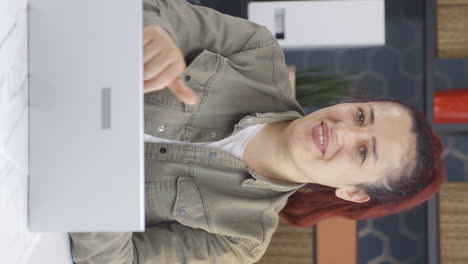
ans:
x=373 y=166
x=321 y=146
x=228 y=148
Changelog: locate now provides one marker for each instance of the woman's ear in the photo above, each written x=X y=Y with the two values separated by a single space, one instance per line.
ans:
x=351 y=195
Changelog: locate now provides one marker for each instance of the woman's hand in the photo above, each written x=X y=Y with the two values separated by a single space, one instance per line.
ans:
x=164 y=64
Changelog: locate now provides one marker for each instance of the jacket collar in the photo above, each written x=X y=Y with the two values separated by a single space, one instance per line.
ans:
x=261 y=118
x=258 y=180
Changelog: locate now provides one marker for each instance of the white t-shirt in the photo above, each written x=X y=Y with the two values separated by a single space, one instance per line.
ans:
x=232 y=144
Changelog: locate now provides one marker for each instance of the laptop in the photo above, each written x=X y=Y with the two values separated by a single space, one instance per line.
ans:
x=86 y=149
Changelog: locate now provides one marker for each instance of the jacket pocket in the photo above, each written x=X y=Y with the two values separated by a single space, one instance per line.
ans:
x=198 y=76
x=150 y=206
x=189 y=207
x=159 y=198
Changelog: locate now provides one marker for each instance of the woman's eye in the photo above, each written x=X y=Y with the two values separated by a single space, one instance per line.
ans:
x=362 y=153
x=361 y=116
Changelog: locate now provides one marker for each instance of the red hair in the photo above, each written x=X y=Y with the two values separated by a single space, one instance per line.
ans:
x=414 y=184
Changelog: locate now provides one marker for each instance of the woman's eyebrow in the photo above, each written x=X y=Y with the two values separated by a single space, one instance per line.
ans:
x=371 y=114
x=374 y=140
x=374 y=149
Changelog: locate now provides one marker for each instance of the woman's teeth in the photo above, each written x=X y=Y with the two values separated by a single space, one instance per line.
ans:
x=321 y=135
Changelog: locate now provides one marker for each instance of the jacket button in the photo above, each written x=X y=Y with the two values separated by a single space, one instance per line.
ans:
x=181 y=212
x=212 y=134
x=212 y=155
x=161 y=128
x=163 y=150
x=187 y=78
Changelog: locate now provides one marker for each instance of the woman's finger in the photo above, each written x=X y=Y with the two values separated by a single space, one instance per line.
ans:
x=183 y=92
x=146 y=39
x=151 y=50
x=163 y=79
x=148 y=34
x=157 y=65
x=176 y=85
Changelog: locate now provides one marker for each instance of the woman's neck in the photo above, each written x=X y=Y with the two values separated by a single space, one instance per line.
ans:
x=267 y=153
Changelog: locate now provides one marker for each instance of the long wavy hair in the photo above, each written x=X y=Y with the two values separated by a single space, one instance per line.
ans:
x=410 y=185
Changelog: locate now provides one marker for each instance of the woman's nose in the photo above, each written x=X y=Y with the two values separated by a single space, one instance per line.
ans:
x=349 y=133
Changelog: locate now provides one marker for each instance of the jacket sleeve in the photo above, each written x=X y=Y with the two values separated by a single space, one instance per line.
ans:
x=195 y=28
x=168 y=242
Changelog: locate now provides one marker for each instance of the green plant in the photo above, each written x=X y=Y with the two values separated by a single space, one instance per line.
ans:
x=315 y=88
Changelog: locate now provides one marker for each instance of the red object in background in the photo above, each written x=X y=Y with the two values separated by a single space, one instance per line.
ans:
x=451 y=106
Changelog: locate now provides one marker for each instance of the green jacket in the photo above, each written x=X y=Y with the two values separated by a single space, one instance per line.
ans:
x=204 y=205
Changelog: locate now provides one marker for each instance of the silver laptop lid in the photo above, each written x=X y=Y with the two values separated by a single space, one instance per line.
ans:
x=86 y=116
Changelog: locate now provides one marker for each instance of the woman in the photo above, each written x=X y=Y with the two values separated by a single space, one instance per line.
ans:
x=222 y=164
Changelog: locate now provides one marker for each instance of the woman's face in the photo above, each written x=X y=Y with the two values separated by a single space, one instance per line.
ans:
x=360 y=142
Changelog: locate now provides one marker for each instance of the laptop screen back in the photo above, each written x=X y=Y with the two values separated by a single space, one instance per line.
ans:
x=86 y=116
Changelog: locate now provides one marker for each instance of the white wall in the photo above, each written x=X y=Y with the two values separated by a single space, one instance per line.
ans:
x=17 y=244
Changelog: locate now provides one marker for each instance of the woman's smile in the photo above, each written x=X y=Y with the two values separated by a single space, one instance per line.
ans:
x=321 y=136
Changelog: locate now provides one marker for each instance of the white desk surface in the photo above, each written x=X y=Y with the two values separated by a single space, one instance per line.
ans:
x=17 y=244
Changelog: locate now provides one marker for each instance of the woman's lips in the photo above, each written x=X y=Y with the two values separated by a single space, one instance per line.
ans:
x=325 y=137
x=316 y=136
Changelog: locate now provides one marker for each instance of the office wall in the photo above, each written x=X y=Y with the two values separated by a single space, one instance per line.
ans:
x=17 y=244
